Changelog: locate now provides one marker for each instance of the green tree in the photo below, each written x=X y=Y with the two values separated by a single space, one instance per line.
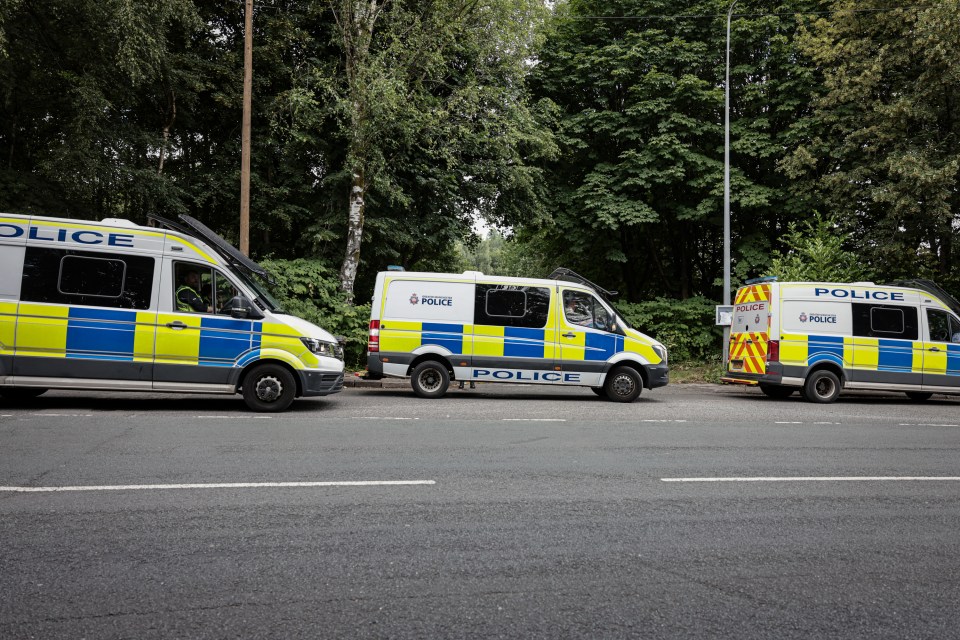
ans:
x=882 y=148
x=816 y=251
x=637 y=189
x=434 y=117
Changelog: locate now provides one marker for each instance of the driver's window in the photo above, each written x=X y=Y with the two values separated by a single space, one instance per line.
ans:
x=225 y=293
x=193 y=286
x=601 y=317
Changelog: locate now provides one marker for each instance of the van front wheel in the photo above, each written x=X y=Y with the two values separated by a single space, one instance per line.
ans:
x=919 y=396
x=822 y=387
x=430 y=379
x=269 y=388
x=623 y=384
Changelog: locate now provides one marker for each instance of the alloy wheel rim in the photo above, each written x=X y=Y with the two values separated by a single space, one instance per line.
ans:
x=269 y=389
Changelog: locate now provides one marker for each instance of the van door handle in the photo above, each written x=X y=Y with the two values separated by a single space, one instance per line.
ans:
x=934 y=349
x=569 y=335
x=176 y=324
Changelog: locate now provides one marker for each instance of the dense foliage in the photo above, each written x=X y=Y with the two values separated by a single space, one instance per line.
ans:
x=590 y=132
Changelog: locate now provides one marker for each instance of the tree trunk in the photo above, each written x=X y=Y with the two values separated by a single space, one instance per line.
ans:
x=351 y=261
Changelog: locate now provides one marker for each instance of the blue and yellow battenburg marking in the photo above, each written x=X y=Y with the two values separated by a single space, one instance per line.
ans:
x=872 y=354
x=55 y=331
x=504 y=342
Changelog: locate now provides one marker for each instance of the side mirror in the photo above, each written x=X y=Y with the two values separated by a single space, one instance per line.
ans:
x=241 y=309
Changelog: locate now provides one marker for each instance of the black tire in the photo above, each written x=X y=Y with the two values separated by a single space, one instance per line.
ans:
x=821 y=387
x=600 y=391
x=430 y=379
x=776 y=391
x=21 y=394
x=919 y=396
x=269 y=388
x=623 y=384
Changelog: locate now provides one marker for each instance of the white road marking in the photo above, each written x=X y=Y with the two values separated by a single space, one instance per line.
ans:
x=786 y=422
x=63 y=415
x=820 y=479
x=234 y=417
x=651 y=420
x=827 y=423
x=533 y=419
x=925 y=424
x=382 y=418
x=218 y=485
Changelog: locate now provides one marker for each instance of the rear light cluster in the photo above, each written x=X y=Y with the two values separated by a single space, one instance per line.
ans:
x=773 y=351
x=373 y=343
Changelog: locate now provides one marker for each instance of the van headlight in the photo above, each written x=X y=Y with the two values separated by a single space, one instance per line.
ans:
x=321 y=348
x=661 y=351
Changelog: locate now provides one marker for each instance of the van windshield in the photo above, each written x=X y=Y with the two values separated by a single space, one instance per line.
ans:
x=262 y=291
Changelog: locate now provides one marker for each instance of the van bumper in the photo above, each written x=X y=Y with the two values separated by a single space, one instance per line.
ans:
x=320 y=383
x=658 y=375
x=774 y=375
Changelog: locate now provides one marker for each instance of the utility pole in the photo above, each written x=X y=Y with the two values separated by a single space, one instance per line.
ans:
x=245 y=135
x=726 y=187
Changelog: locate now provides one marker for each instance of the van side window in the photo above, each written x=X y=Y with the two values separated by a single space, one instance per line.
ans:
x=943 y=327
x=192 y=288
x=83 y=278
x=885 y=321
x=99 y=277
x=582 y=309
x=511 y=306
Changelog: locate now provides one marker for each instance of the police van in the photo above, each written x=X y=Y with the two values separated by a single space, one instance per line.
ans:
x=438 y=327
x=820 y=338
x=112 y=305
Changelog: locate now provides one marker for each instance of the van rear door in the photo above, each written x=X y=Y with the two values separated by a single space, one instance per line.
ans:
x=750 y=330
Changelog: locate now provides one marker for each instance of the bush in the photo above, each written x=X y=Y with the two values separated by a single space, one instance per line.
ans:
x=686 y=327
x=310 y=290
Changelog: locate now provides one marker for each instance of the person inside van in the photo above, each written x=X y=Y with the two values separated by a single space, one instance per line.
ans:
x=577 y=309
x=188 y=294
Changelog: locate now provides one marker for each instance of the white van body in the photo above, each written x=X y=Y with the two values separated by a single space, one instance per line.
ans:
x=95 y=305
x=500 y=329
x=822 y=337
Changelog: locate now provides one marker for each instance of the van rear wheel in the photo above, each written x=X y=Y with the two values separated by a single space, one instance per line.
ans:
x=821 y=387
x=919 y=396
x=623 y=384
x=776 y=391
x=269 y=388
x=430 y=379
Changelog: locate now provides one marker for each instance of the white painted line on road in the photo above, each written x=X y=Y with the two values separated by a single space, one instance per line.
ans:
x=827 y=423
x=381 y=418
x=533 y=419
x=925 y=424
x=234 y=417
x=652 y=420
x=219 y=485
x=63 y=415
x=821 y=479
x=785 y=422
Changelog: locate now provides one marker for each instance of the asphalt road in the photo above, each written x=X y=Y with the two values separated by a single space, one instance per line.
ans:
x=525 y=513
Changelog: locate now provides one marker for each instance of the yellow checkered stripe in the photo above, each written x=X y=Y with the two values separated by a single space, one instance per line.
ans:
x=751 y=349
x=753 y=293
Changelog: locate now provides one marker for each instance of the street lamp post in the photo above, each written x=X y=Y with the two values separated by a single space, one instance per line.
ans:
x=726 y=185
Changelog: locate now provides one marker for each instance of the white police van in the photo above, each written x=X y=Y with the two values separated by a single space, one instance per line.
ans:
x=438 y=327
x=97 y=305
x=822 y=337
